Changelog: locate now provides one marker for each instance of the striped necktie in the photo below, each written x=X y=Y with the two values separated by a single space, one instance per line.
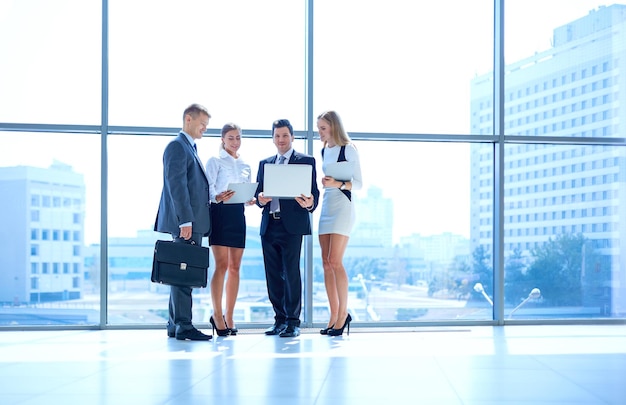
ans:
x=274 y=205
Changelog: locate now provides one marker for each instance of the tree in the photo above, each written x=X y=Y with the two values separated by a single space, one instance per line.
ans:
x=557 y=269
x=517 y=286
x=481 y=267
x=463 y=277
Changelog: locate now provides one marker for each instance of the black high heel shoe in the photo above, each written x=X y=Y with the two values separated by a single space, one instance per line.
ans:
x=339 y=332
x=220 y=332
x=325 y=330
x=233 y=331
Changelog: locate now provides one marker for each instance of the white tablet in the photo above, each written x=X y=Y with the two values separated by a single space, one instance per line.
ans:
x=244 y=192
x=341 y=171
x=286 y=180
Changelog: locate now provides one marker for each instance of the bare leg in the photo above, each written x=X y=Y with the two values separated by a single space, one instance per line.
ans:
x=333 y=247
x=329 y=280
x=232 y=284
x=336 y=249
x=220 y=254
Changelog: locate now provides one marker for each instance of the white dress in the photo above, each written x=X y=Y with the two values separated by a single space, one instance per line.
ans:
x=338 y=215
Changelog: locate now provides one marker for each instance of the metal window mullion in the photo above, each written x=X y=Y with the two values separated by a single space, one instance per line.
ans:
x=308 y=241
x=104 y=269
x=498 y=191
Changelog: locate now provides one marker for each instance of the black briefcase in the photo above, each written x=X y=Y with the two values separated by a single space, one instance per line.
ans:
x=180 y=264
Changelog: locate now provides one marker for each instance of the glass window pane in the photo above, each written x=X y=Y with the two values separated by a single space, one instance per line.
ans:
x=409 y=257
x=243 y=60
x=564 y=231
x=50 y=68
x=34 y=281
x=134 y=193
x=399 y=66
x=563 y=77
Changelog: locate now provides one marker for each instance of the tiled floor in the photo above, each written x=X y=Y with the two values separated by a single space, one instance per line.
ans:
x=464 y=365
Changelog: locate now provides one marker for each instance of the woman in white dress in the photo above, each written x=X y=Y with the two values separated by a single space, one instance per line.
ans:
x=337 y=218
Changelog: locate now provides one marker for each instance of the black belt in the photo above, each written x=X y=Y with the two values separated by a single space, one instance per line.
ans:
x=275 y=215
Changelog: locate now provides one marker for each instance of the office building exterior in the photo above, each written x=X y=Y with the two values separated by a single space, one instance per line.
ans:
x=575 y=89
x=41 y=257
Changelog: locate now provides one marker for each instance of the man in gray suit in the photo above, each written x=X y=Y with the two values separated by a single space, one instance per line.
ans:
x=184 y=210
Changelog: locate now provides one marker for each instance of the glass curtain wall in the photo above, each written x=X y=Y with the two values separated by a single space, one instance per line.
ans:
x=414 y=85
x=564 y=168
x=50 y=213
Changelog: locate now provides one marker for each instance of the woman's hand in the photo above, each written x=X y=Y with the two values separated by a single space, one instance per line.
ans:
x=224 y=196
x=328 y=181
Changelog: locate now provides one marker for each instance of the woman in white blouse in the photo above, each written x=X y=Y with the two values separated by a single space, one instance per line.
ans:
x=337 y=217
x=228 y=227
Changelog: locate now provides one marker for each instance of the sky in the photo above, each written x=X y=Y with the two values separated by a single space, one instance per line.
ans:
x=375 y=63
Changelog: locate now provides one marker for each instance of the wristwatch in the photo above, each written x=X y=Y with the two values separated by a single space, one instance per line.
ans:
x=343 y=185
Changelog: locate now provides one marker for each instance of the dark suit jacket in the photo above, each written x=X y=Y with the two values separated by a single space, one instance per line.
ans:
x=185 y=195
x=296 y=219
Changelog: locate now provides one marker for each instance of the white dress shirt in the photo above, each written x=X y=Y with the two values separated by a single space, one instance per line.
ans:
x=275 y=204
x=226 y=169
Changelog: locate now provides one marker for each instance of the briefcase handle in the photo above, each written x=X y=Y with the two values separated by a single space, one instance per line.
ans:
x=178 y=239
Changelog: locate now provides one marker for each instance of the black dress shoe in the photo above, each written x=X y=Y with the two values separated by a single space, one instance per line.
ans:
x=290 y=331
x=276 y=329
x=191 y=334
x=171 y=333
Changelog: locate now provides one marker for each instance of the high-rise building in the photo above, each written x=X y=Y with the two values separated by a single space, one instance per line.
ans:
x=41 y=256
x=577 y=88
x=374 y=221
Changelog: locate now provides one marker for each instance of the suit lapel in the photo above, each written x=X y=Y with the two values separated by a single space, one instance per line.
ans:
x=194 y=154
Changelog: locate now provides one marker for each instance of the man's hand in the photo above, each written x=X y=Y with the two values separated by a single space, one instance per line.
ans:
x=305 y=202
x=263 y=200
x=185 y=232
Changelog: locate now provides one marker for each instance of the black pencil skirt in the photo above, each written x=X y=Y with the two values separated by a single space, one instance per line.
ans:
x=228 y=225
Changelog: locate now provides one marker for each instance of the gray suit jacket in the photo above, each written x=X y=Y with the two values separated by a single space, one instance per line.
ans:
x=185 y=195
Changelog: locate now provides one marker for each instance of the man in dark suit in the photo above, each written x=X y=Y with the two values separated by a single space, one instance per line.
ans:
x=283 y=223
x=184 y=210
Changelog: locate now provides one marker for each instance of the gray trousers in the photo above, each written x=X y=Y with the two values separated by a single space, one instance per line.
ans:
x=180 y=299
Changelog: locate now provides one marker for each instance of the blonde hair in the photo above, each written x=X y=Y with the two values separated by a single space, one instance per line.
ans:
x=340 y=136
x=195 y=110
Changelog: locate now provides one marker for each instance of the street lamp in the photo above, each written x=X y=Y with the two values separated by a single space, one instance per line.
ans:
x=534 y=293
x=478 y=287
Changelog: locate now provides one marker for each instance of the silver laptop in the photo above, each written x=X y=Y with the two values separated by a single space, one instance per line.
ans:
x=287 y=180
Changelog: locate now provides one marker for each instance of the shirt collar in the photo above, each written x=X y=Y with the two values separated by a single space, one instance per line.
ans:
x=224 y=154
x=287 y=155
x=189 y=138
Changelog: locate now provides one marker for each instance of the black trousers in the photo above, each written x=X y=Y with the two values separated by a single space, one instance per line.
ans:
x=281 y=255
